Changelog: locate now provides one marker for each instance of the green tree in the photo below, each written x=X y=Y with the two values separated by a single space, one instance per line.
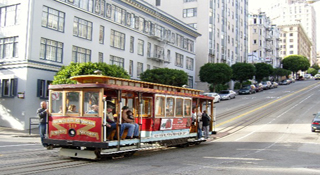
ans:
x=263 y=70
x=295 y=63
x=243 y=71
x=215 y=73
x=312 y=71
x=166 y=76
x=74 y=69
x=279 y=72
x=315 y=66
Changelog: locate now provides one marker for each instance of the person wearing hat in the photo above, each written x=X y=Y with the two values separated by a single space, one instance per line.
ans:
x=111 y=124
x=130 y=123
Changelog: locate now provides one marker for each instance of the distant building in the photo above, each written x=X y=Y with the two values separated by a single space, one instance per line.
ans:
x=223 y=26
x=285 y=12
x=39 y=36
x=264 y=40
x=294 y=41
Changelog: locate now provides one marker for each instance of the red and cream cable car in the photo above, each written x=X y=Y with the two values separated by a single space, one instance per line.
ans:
x=162 y=112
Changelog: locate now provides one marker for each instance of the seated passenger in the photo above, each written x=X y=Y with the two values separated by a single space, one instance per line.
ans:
x=129 y=123
x=94 y=109
x=111 y=124
x=72 y=109
x=130 y=115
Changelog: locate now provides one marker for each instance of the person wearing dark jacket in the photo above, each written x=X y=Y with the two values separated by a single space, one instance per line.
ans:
x=205 y=123
x=42 y=114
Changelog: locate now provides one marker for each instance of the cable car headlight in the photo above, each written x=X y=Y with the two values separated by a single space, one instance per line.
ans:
x=72 y=132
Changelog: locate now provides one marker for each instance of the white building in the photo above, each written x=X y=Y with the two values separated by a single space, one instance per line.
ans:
x=39 y=36
x=286 y=12
x=223 y=26
x=294 y=41
x=264 y=40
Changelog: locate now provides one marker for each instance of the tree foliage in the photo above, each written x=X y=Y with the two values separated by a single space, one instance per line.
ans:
x=243 y=71
x=263 y=70
x=215 y=73
x=315 y=66
x=166 y=76
x=74 y=69
x=279 y=72
x=296 y=63
x=312 y=71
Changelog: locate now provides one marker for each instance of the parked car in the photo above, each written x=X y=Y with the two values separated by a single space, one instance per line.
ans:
x=317 y=77
x=227 y=94
x=292 y=80
x=315 y=125
x=266 y=85
x=284 y=82
x=259 y=87
x=249 y=89
x=216 y=96
x=274 y=84
x=307 y=76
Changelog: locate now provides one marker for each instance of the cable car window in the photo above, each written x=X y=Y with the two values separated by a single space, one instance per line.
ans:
x=159 y=106
x=72 y=102
x=146 y=106
x=187 y=107
x=56 y=102
x=91 y=102
x=170 y=107
x=179 y=107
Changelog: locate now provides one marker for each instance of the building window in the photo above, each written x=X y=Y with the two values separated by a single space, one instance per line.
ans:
x=43 y=88
x=101 y=35
x=82 y=28
x=140 y=47
x=117 y=39
x=189 y=12
x=9 y=47
x=291 y=34
x=291 y=46
x=80 y=55
x=291 y=52
x=9 y=87
x=52 y=19
x=149 y=50
x=194 y=25
x=189 y=63
x=100 y=57
x=131 y=44
x=158 y=2
x=291 y=40
x=190 y=81
x=117 y=61
x=51 y=50
x=9 y=15
x=179 y=60
x=254 y=41
x=99 y=7
x=148 y=67
x=139 y=69
x=131 y=68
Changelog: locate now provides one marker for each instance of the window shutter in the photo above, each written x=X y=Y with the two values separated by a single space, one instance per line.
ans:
x=15 y=88
x=1 y=88
x=38 y=87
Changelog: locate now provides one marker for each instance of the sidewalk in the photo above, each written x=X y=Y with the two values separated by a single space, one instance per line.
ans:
x=19 y=133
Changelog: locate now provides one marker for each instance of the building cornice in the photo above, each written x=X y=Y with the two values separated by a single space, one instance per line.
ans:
x=29 y=64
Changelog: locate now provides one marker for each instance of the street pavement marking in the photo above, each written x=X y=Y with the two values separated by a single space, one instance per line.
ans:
x=268 y=104
x=19 y=145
